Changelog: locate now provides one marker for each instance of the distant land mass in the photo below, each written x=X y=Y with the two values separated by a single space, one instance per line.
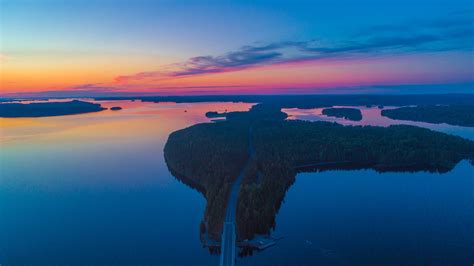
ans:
x=459 y=115
x=352 y=114
x=210 y=156
x=316 y=101
x=48 y=109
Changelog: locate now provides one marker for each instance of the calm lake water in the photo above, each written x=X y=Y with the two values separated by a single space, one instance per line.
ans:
x=372 y=116
x=94 y=189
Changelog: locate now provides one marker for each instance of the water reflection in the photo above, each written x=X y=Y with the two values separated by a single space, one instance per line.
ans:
x=93 y=189
x=372 y=116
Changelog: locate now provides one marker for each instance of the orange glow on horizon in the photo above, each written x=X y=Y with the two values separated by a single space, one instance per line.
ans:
x=19 y=75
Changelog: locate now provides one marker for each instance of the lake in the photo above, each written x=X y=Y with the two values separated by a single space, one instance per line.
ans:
x=372 y=116
x=94 y=189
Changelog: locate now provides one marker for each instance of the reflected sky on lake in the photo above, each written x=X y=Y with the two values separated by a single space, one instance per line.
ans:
x=372 y=116
x=94 y=188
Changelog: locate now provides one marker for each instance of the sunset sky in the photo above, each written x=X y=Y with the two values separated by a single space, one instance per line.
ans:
x=62 y=48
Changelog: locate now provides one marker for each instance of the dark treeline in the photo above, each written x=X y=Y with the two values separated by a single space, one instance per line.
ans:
x=48 y=109
x=315 y=101
x=213 y=154
x=6 y=100
x=353 y=114
x=461 y=115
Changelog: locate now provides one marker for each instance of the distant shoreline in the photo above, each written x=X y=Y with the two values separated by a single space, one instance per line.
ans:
x=290 y=100
x=18 y=110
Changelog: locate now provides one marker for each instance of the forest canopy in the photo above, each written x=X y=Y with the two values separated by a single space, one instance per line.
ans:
x=460 y=115
x=352 y=114
x=210 y=156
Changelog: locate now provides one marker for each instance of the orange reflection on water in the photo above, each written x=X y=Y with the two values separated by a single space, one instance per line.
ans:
x=370 y=116
x=136 y=121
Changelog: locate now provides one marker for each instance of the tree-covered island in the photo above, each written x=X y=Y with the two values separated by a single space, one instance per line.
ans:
x=48 y=109
x=352 y=114
x=213 y=114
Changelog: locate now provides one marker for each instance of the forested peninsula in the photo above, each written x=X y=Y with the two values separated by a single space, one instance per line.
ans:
x=459 y=115
x=210 y=156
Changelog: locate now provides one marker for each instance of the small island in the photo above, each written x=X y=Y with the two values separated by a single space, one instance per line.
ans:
x=352 y=114
x=215 y=114
x=116 y=108
x=459 y=115
x=48 y=109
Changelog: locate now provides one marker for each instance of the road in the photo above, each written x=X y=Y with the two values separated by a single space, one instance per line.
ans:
x=229 y=234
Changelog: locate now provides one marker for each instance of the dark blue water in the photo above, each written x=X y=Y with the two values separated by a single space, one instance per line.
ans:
x=151 y=225
x=367 y=218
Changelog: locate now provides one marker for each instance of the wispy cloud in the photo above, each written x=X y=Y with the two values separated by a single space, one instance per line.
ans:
x=455 y=33
x=211 y=64
x=97 y=87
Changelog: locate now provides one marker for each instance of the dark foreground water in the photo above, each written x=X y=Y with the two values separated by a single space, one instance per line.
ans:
x=366 y=218
x=94 y=189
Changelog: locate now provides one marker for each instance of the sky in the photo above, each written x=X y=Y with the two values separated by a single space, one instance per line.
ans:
x=144 y=47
